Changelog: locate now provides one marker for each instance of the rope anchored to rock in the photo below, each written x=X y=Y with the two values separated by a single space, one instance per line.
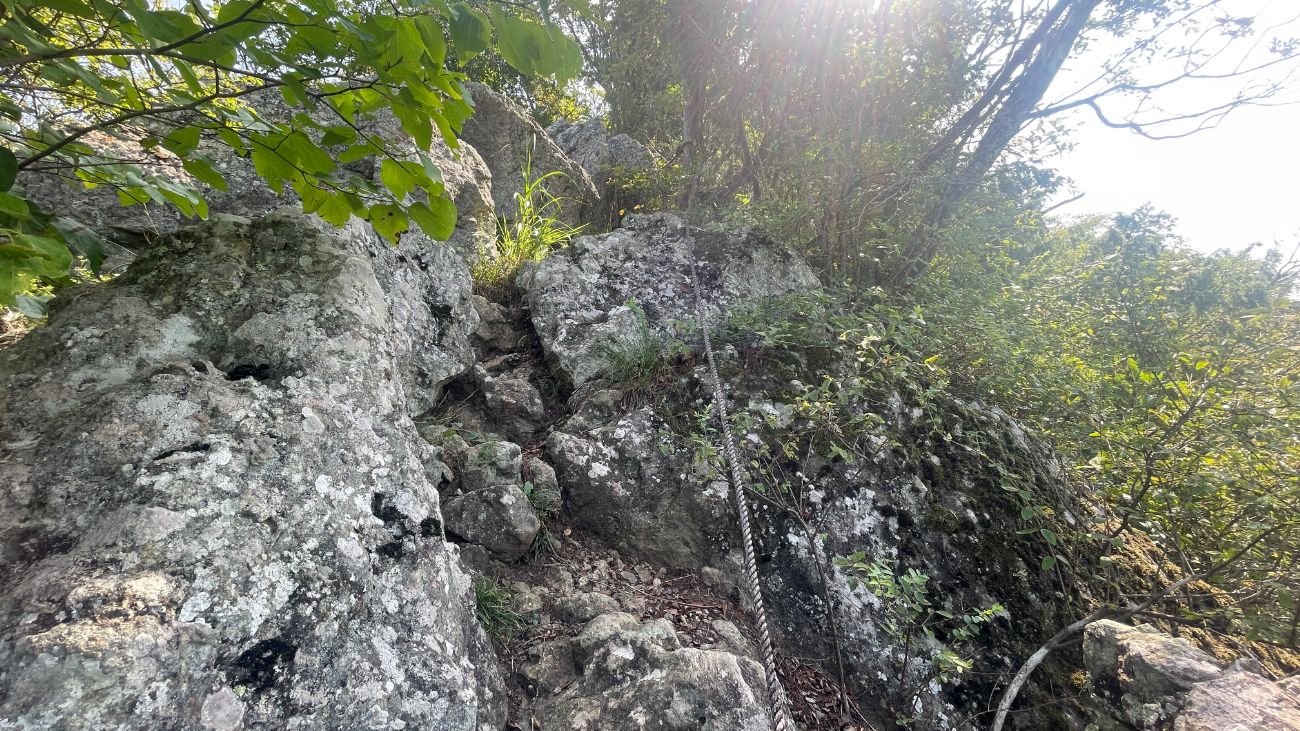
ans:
x=782 y=720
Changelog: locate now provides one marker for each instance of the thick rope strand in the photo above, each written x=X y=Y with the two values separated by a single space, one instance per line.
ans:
x=781 y=718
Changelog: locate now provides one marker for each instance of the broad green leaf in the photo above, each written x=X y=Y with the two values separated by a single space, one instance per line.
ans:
x=434 y=42
x=517 y=41
x=416 y=124
x=335 y=209
x=182 y=141
x=205 y=173
x=389 y=221
x=13 y=206
x=437 y=220
x=470 y=33
x=397 y=178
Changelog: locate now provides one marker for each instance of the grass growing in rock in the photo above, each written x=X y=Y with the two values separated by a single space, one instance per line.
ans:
x=641 y=363
x=492 y=607
x=535 y=231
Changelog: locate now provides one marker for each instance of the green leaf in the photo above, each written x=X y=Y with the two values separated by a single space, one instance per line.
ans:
x=416 y=124
x=167 y=26
x=182 y=141
x=1048 y=563
x=517 y=42
x=336 y=209
x=12 y=205
x=470 y=34
x=395 y=178
x=434 y=42
x=1049 y=535
x=8 y=169
x=437 y=220
x=205 y=173
x=388 y=220
x=33 y=307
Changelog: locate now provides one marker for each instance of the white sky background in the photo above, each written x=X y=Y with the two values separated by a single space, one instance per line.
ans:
x=1230 y=186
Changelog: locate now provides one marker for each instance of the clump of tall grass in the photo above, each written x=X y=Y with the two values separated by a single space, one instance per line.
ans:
x=535 y=231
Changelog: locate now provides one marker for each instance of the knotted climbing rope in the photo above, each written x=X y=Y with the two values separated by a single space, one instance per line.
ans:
x=781 y=718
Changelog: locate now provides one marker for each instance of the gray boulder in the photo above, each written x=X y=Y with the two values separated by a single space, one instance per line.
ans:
x=1149 y=680
x=608 y=159
x=213 y=513
x=515 y=405
x=509 y=140
x=584 y=607
x=497 y=518
x=621 y=486
x=636 y=675
x=489 y=464
x=590 y=145
x=579 y=296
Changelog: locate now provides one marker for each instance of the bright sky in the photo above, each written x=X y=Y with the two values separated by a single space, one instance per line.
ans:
x=1228 y=187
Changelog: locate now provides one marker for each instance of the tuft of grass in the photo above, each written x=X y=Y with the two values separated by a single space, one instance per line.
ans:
x=535 y=232
x=642 y=361
x=492 y=607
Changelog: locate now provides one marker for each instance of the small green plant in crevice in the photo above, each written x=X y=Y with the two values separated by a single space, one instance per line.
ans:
x=492 y=607
x=534 y=231
x=642 y=359
x=546 y=505
x=910 y=617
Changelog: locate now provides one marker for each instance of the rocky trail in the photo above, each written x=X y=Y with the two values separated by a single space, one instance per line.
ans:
x=281 y=475
x=566 y=581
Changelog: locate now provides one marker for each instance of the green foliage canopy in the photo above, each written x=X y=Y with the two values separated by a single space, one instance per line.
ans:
x=183 y=80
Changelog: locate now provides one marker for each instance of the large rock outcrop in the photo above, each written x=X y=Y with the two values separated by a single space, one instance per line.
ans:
x=580 y=296
x=1145 y=679
x=214 y=508
x=613 y=162
x=514 y=146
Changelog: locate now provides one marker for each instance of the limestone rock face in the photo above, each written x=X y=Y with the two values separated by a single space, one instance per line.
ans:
x=214 y=508
x=606 y=158
x=635 y=674
x=619 y=485
x=1149 y=680
x=510 y=141
x=579 y=296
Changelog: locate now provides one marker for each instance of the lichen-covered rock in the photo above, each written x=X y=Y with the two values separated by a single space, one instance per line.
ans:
x=496 y=331
x=1239 y=701
x=214 y=508
x=549 y=667
x=579 y=295
x=1149 y=680
x=621 y=486
x=583 y=607
x=636 y=674
x=511 y=142
x=497 y=518
x=489 y=464
x=514 y=403
x=590 y=145
x=607 y=159
x=545 y=486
